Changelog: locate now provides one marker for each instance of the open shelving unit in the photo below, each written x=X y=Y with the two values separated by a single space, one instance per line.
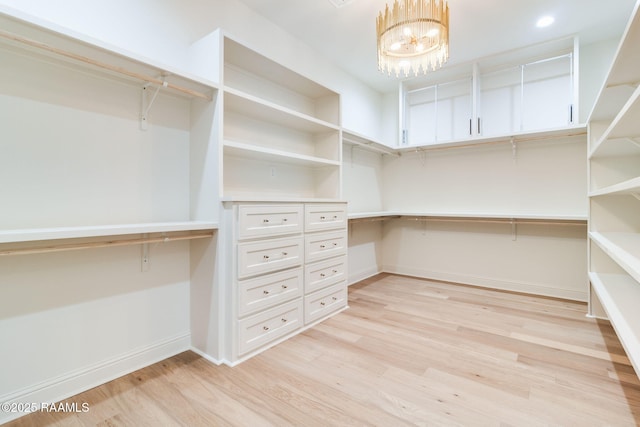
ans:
x=92 y=183
x=614 y=195
x=281 y=130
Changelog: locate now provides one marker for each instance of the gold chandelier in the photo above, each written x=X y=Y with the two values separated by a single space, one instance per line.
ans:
x=414 y=35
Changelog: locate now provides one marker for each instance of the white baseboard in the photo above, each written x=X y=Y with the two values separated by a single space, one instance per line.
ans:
x=208 y=357
x=72 y=383
x=362 y=274
x=487 y=282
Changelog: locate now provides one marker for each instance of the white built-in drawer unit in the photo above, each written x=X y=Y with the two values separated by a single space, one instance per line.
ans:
x=324 y=217
x=324 y=302
x=269 y=255
x=290 y=269
x=324 y=273
x=267 y=291
x=269 y=220
x=319 y=246
x=264 y=327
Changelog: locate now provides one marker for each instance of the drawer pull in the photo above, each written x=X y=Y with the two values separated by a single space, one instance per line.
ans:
x=334 y=298
x=322 y=218
x=284 y=286
x=322 y=246
x=284 y=219
x=284 y=320
x=266 y=221
x=266 y=292
x=322 y=303
x=322 y=275
x=335 y=244
x=268 y=257
x=265 y=328
x=335 y=217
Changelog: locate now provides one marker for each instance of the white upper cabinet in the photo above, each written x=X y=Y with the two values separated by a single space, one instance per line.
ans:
x=495 y=97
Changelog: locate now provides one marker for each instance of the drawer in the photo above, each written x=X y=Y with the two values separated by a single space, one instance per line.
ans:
x=269 y=220
x=324 y=302
x=267 y=291
x=325 y=245
x=325 y=273
x=319 y=217
x=260 y=329
x=269 y=255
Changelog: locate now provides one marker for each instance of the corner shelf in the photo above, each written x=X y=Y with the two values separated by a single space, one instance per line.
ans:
x=614 y=183
x=619 y=295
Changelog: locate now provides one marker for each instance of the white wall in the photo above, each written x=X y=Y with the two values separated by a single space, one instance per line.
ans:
x=595 y=62
x=546 y=177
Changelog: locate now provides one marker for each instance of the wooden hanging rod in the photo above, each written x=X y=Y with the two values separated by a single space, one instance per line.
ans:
x=105 y=243
x=104 y=65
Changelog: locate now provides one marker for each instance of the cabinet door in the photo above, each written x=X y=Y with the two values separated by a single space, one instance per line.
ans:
x=325 y=245
x=324 y=217
x=324 y=302
x=267 y=291
x=267 y=220
x=439 y=113
x=500 y=102
x=325 y=273
x=260 y=329
x=269 y=255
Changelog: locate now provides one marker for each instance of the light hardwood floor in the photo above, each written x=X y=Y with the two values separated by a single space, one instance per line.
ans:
x=407 y=352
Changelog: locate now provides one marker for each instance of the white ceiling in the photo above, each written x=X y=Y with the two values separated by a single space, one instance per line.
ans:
x=346 y=35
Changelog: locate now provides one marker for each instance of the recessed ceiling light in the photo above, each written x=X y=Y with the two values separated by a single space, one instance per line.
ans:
x=545 y=21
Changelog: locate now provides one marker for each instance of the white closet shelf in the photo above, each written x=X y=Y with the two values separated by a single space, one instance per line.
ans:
x=356 y=139
x=277 y=199
x=619 y=295
x=57 y=43
x=55 y=233
x=260 y=109
x=279 y=156
x=578 y=219
x=618 y=147
x=524 y=136
x=623 y=248
x=631 y=187
x=243 y=58
x=625 y=124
